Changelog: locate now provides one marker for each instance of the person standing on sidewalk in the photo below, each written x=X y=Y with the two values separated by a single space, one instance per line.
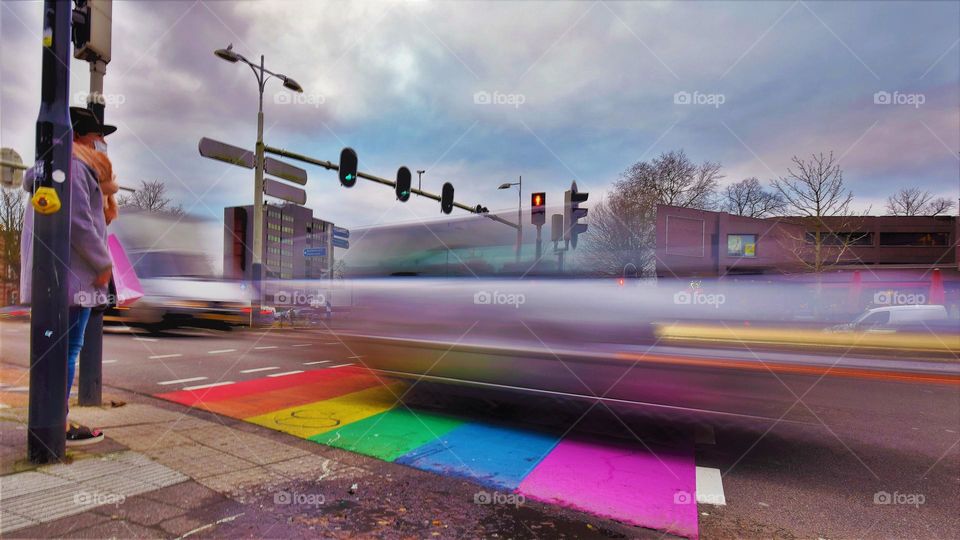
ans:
x=92 y=207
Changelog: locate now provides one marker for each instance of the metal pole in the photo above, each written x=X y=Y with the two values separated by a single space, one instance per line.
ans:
x=90 y=368
x=539 y=245
x=257 y=300
x=90 y=393
x=49 y=322
x=519 y=216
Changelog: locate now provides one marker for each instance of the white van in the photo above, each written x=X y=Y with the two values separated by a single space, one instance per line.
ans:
x=893 y=316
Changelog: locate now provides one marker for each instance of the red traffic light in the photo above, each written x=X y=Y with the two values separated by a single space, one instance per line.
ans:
x=538 y=210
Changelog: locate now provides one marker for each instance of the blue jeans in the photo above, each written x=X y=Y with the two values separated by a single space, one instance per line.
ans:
x=79 y=316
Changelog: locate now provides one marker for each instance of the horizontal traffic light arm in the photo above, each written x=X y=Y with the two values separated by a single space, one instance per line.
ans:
x=335 y=167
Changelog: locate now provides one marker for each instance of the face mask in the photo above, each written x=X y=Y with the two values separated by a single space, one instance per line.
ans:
x=100 y=146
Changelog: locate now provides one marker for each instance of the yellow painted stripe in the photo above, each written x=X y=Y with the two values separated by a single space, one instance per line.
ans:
x=311 y=419
x=928 y=342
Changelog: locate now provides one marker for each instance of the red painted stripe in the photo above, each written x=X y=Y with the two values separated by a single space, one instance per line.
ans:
x=265 y=384
x=275 y=400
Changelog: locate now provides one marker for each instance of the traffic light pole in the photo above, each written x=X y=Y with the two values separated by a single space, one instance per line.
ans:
x=49 y=321
x=539 y=244
x=334 y=167
x=90 y=368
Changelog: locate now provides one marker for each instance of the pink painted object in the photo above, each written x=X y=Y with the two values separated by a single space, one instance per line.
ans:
x=622 y=481
x=125 y=278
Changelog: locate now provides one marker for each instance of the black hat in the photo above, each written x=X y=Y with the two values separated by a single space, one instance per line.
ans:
x=84 y=121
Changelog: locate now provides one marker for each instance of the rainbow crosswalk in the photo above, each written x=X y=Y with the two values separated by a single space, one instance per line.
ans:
x=350 y=408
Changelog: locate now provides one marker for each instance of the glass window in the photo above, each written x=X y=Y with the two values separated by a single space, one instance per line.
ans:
x=741 y=245
x=925 y=239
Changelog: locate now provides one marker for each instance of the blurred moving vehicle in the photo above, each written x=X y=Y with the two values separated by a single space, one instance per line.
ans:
x=173 y=257
x=648 y=347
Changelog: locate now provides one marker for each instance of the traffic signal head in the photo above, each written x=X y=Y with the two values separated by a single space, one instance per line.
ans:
x=572 y=214
x=446 y=198
x=348 y=167
x=538 y=208
x=403 y=184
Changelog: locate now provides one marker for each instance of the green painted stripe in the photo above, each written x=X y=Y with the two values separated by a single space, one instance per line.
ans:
x=390 y=434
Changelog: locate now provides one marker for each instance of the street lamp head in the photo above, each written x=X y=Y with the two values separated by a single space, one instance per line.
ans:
x=291 y=84
x=227 y=54
x=505 y=185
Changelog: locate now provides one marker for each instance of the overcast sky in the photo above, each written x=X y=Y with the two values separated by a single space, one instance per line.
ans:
x=576 y=90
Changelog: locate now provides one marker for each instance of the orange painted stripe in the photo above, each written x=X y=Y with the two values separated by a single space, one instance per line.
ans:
x=256 y=386
x=952 y=380
x=273 y=400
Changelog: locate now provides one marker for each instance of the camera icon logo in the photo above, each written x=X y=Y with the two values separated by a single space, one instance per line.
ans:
x=882 y=497
x=282 y=497
x=682 y=98
x=881 y=298
x=482 y=497
x=682 y=298
x=682 y=497
x=482 y=298
x=281 y=298
x=882 y=98
x=482 y=98
x=282 y=98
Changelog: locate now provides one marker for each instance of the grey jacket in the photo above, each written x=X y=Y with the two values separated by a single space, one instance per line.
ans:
x=88 y=239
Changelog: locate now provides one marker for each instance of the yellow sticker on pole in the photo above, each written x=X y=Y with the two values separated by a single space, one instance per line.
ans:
x=45 y=200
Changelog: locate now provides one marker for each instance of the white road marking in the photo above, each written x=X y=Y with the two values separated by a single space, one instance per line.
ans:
x=317 y=362
x=710 y=486
x=109 y=361
x=302 y=345
x=285 y=373
x=265 y=348
x=150 y=339
x=357 y=357
x=159 y=356
x=221 y=351
x=338 y=365
x=211 y=385
x=179 y=381
x=254 y=370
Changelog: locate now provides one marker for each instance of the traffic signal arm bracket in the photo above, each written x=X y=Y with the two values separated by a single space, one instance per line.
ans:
x=335 y=167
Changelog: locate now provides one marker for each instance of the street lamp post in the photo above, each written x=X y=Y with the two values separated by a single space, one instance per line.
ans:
x=519 y=184
x=262 y=75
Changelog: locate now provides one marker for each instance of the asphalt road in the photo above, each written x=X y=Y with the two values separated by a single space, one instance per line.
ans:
x=895 y=473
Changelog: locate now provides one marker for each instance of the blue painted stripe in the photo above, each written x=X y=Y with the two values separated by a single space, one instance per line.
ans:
x=497 y=456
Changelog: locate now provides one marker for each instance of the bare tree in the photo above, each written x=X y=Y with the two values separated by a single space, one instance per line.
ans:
x=622 y=227
x=748 y=198
x=151 y=195
x=915 y=202
x=12 y=206
x=815 y=192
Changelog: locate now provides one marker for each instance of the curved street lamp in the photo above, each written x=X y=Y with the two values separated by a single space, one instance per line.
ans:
x=262 y=74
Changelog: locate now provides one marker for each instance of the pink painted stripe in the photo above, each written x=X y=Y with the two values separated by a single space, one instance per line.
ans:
x=620 y=480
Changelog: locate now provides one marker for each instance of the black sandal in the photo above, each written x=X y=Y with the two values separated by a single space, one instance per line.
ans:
x=79 y=435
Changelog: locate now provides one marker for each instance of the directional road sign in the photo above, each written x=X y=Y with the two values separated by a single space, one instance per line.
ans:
x=341 y=243
x=315 y=252
x=285 y=171
x=341 y=232
x=284 y=191
x=221 y=151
